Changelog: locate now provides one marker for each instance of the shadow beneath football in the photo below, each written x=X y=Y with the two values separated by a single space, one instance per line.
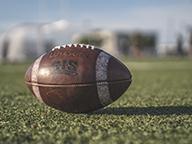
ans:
x=154 y=111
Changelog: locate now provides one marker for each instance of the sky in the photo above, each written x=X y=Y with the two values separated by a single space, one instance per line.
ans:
x=167 y=17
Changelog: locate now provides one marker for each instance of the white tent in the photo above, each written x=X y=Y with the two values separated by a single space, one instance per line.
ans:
x=29 y=41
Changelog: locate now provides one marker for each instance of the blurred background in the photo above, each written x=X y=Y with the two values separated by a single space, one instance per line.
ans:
x=124 y=28
x=153 y=38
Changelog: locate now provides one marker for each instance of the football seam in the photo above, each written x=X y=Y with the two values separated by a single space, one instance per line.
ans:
x=79 y=84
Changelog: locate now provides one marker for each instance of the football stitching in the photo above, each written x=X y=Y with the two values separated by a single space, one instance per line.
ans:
x=74 y=45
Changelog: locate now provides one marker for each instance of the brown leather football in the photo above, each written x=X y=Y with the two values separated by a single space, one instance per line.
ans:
x=77 y=78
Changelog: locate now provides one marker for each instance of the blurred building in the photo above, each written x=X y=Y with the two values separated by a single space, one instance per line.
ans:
x=181 y=46
x=21 y=43
x=121 y=43
x=28 y=41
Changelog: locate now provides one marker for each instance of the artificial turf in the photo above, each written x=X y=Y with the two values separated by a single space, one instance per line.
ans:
x=157 y=108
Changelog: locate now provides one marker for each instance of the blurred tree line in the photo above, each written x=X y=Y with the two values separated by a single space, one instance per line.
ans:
x=140 y=41
x=133 y=43
x=92 y=40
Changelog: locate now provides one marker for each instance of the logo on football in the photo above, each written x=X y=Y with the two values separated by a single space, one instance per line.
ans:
x=68 y=67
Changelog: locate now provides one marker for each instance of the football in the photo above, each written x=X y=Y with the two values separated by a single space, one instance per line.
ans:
x=77 y=78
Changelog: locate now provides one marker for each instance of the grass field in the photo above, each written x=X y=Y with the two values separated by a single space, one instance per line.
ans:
x=157 y=108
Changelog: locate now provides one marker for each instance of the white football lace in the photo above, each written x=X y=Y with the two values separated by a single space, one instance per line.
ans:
x=74 y=45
